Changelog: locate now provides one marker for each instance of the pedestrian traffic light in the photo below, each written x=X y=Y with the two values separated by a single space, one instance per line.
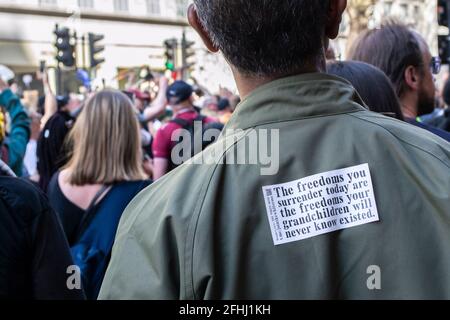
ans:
x=65 y=48
x=170 y=47
x=95 y=49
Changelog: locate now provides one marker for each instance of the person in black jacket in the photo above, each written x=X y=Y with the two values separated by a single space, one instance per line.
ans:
x=35 y=261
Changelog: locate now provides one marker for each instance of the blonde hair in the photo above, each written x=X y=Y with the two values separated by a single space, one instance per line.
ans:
x=106 y=142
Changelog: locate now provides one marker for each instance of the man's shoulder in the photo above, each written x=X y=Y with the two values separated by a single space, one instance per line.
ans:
x=175 y=196
x=190 y=180
x=165 y=126
x=439 y=132
x=417 y=140
x=166 y=130
x=22 y=198
x=209 y=119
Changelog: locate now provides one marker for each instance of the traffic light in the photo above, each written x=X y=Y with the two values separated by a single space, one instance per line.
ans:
x=95 y=49
x=188 y=51
x=170 y=47
x=65 y=47
x=443 y=8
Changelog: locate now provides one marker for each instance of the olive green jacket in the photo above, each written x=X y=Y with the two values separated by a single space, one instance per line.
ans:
x=203 y=232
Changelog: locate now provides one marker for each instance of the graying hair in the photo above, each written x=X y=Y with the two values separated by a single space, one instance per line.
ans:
x=266 y=37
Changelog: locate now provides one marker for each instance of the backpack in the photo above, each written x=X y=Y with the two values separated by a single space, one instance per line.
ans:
x=96 y=233
x=194 y=136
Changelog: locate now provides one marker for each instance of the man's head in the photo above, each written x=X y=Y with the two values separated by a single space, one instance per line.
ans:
x=268 y=38
x=211 y=103
x=179 y=94
x=70 y=103
x=141 y=99
x=224 y=105
x=406 y=59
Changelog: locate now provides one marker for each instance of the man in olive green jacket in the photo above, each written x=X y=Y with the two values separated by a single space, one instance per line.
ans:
x=349 y=204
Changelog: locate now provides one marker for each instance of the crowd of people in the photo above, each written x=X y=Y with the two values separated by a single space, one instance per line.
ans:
x=90 y=154
x=85 y=178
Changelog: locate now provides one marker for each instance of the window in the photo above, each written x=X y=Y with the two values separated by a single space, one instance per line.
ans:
x=404 y=10
x=387 y=8
x=121 y=5
x=86 y=4
x=153 y=7
x=47 y=2
x=417 y=12
x=182 y=6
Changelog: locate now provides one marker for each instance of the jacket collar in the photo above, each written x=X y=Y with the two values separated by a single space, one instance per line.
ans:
x=294 y=98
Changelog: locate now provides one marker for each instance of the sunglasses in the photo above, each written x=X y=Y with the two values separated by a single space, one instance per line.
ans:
x=435 y=65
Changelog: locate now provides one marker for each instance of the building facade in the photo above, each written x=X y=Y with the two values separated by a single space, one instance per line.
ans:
x=134 y=32
x=421 y=15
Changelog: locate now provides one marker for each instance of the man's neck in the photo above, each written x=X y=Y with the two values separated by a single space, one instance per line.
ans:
x=247 y=84
x=183 y=109
x=409 y=108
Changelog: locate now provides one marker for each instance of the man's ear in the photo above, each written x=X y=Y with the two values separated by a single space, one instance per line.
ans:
x=194 y=21
x=334 y=19
x=412 y=78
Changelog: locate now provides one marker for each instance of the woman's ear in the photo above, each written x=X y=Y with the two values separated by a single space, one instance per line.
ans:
x=194 y=21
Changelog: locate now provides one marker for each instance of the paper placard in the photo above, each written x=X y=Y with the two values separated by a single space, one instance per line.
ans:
x=320 y=204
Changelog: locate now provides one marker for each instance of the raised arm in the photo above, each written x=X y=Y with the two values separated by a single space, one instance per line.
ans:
x=158 y=106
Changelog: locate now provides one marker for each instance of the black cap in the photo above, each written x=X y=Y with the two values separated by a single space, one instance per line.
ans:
x=223 y=104
x=62 y=101
x=178 y=92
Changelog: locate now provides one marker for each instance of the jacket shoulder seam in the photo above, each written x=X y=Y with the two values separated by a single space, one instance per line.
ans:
x=402 y=140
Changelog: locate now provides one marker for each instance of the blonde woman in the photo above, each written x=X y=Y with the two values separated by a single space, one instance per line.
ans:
x=102 y=176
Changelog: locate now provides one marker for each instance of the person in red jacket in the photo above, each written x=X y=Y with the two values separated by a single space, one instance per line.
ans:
x=179 y=97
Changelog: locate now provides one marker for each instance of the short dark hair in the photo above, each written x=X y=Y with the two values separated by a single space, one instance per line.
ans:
x=266 y=37
x=51 y=148
x=392 y=48
x=371 y=83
